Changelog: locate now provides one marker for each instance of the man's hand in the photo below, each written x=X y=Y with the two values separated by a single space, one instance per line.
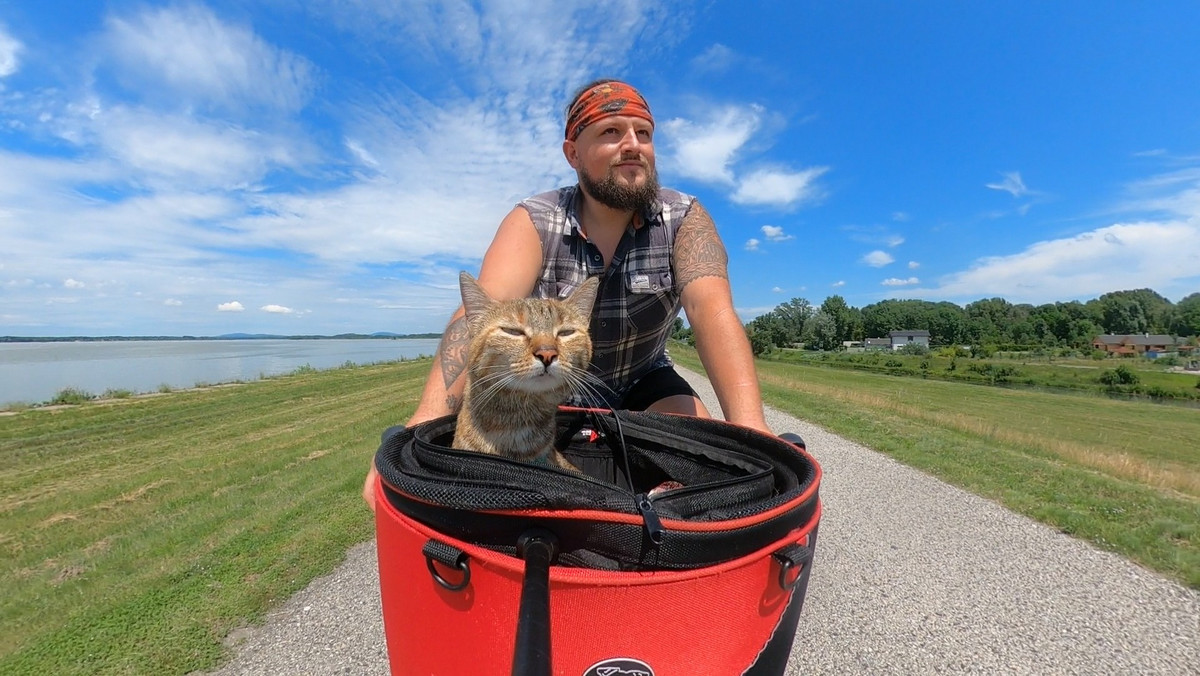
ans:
x=368 y=492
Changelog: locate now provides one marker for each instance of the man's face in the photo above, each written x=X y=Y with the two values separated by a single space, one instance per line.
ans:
x=614 y=158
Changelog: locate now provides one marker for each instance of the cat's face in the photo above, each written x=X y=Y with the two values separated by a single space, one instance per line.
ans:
x=538 y=346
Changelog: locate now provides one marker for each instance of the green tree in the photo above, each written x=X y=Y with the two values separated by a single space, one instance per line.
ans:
x=987 y=321
x=1155 y=309
x=947 y=324
x=769 y=328
x=896 y=315
x=793 y=314
x=1186 y=321
x=760 y=343
x=820 y=332
x=847 y=321
x=1122 y=315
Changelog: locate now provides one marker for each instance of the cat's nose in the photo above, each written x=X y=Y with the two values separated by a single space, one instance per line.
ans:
x=546 y=355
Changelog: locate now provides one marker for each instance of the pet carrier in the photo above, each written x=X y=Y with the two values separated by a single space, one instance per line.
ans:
x=684 y=547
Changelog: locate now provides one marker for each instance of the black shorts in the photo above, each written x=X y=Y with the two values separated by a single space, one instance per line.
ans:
x=658 y=384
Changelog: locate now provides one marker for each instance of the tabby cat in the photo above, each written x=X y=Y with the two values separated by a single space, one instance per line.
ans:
x=524 y=358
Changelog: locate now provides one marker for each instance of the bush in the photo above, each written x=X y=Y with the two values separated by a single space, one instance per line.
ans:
x=71 y=395
x=983 y=351
x=1122 y=375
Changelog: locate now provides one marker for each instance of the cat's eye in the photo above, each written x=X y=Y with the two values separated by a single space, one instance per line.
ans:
x=563 y=333
x=512 y=331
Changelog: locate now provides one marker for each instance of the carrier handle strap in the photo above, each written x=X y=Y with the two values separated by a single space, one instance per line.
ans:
x=531 y=656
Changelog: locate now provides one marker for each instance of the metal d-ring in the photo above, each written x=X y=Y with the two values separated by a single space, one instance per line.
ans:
x=792 y=556
x=785 y=567
x=448 y=556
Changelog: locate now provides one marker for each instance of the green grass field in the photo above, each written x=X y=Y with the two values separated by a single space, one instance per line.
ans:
x=1124 y=475
x=138 y=532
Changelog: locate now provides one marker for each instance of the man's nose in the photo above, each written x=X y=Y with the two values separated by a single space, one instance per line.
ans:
x=631 y=141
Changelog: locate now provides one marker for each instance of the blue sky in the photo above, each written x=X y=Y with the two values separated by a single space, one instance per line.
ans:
x=327 y=166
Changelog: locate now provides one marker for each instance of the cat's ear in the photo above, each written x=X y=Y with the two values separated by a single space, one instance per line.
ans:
x=475 y=299
x=584 y=297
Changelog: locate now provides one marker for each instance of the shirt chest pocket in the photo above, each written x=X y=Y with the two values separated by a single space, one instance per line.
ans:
x=650 y=298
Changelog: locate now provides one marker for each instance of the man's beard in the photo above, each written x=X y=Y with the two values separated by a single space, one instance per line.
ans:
x=621 y=197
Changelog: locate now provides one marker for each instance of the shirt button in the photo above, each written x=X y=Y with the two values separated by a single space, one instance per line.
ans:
x=603 y=324
x=596 y=258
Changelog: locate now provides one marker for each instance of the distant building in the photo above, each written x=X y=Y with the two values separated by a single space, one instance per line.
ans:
x=899 y=339
x=1135 y=344
x=877 y=344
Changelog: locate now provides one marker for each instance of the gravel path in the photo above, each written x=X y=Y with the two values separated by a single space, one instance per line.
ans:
x=911 y=576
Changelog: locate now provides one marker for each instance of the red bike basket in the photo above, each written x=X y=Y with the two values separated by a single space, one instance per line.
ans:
x=491 y=566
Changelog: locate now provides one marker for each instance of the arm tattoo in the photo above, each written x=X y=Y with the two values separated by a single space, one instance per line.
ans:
x=454 y=350
x=698 y=250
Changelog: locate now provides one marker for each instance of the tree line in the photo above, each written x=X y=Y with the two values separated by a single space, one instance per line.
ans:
x=990 y=321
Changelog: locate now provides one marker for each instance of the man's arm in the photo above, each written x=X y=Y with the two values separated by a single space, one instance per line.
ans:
x=509 y=270
x=701 y=266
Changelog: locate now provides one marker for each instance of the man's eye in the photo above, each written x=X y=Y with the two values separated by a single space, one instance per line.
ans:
x=512 y=331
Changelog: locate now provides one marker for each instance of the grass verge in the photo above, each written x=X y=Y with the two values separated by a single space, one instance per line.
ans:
x=1123 y=475
x=138 y=532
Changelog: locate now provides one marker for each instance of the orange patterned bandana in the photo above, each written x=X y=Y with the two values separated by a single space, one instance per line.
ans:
x=605 y=100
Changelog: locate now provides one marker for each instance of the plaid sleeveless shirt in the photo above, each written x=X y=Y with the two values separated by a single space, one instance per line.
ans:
x=637 y=302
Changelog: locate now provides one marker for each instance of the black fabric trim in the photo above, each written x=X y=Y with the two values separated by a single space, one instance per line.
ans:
x=728 y=472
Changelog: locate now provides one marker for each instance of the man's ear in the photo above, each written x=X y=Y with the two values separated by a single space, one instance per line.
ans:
x=571 y=153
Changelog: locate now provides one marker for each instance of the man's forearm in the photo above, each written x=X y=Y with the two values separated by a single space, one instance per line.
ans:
x=725 y=352
x=444 y=386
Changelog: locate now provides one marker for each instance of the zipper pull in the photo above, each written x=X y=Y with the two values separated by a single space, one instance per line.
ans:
x=654 y=527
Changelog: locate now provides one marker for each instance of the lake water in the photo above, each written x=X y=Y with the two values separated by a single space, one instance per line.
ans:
x=36 y=372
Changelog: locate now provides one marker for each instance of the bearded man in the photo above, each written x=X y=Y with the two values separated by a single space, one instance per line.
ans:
x=656 y=251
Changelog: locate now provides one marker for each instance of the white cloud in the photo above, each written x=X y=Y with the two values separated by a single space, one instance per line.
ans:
x=776 y=289
x=752 y=244
x=778 y=187
x=716 y=59
x=10 y=50
x=1164 y=256
x=704 y=151
x=188 y=52
x=709 y=150
x=838 y=284
x=913 y=265
x=232 y=306
x=173 y=302
x=277 y=309
x=361 y=153
x=774 y=233
x=878 y=259
x=895 y=241
x=893 y=281
x=73 y=284
x=1012 y=183
x=186 y=150
x=900 y=216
